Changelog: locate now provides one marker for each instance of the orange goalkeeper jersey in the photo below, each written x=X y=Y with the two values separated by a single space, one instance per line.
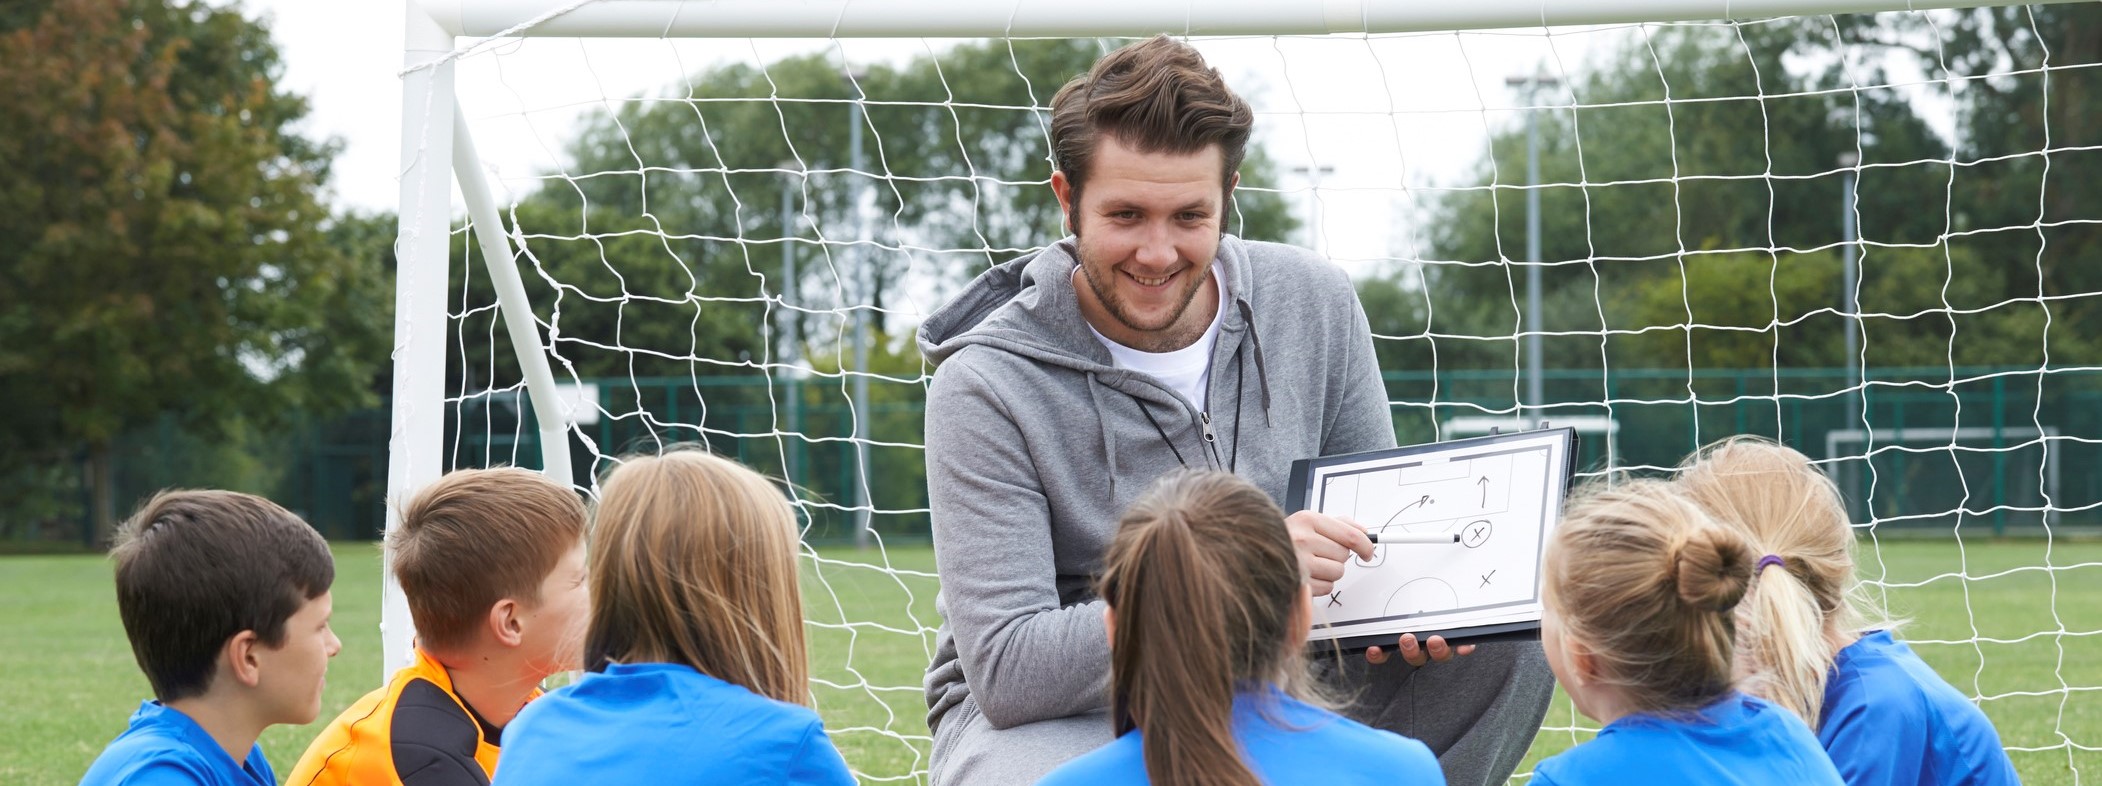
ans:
x=414 y=732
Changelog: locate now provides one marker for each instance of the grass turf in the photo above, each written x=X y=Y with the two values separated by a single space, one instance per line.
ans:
x=1986 y=617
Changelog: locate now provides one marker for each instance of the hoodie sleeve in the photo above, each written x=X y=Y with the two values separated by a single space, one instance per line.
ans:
x=1359 y=417
x=1025 y=658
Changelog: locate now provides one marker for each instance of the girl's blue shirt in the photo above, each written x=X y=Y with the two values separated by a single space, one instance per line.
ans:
x=1284 y=740
x=1739 y=740
x=1888 y=719
x=669 y=724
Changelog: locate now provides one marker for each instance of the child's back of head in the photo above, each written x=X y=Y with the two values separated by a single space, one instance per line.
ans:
x=1802 y=598
x=693 y=561
x=1208 y=619
x=698 y=672
x=1640 y=589
x=1809 y=642
x=225 y=598
x=1645 y=583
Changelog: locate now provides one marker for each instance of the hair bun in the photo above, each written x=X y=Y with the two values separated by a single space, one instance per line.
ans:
x=1713 y=568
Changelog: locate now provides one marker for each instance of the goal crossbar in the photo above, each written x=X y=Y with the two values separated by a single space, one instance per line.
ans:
x=1081 y=18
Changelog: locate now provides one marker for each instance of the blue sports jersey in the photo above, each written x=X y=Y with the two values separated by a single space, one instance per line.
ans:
x=1738 y=740
x=665 y=723
x=1284 y=741
x=164 y=747
x=1889 y=719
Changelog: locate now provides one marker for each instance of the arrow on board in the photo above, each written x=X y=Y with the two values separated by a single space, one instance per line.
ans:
x=1484 y=483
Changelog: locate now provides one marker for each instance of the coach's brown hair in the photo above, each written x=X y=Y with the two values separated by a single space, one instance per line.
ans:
x=1207 y=592
x=473 y=538
x=194 y=568
x=1642 y=578
x=693 y=561
x=1156 y=96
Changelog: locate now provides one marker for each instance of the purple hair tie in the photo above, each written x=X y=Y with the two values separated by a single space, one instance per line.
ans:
x=1769 y=559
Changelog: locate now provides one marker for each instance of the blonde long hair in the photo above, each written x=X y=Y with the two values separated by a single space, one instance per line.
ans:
x=1786 y=507
x=693 y=561
x=1644 y=579
x=1207 y=591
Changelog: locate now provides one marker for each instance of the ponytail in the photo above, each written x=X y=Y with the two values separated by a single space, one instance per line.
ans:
x=1205 y=588
x=1174 y=608
x=1784 y=644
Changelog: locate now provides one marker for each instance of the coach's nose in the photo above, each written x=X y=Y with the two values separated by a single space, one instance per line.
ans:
x=1156 y=251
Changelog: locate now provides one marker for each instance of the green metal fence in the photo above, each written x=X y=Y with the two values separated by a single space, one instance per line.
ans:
x=1971 y=450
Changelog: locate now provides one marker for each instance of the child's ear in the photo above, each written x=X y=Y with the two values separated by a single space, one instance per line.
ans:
x=240 y=659
x=505 y=624
x=1583 y=666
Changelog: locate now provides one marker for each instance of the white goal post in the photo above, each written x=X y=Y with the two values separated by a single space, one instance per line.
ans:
x=439 y=154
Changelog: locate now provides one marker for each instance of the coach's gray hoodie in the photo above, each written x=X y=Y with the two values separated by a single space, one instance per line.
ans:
x=1036 y=443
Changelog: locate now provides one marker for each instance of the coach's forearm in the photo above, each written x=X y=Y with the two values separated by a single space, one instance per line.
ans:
x=1048 y=664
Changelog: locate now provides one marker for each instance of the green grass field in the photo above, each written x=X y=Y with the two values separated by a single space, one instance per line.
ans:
x=67 y=681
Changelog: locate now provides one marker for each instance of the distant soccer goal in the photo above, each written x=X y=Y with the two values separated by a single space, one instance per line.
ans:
x=1853 y=226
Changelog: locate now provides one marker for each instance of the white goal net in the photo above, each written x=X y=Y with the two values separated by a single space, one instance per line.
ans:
x=1871 y=236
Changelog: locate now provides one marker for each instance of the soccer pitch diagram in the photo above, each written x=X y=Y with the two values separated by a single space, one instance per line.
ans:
x=1496 y=501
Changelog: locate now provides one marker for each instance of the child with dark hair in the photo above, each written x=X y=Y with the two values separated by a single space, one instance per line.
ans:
x=225 y=598
x=1208 y=618
x=1639 y=588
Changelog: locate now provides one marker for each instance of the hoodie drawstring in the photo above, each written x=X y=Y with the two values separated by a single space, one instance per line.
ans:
x=1109 y=439
x=1262 y=372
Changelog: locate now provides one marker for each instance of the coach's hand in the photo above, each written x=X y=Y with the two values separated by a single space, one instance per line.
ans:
x=1325 y=543
x=1434 y=650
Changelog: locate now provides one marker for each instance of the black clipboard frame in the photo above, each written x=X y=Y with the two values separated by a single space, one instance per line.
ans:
x=1301 y=481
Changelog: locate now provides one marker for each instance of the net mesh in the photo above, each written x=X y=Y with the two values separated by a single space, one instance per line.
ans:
x=1863 y=236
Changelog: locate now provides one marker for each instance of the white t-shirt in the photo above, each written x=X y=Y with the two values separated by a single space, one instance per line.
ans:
x=1188 y=370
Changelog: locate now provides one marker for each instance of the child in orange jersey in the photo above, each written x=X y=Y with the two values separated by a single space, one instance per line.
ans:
x=492 y=564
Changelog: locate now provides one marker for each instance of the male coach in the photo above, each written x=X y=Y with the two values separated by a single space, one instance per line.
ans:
x=1070 y=378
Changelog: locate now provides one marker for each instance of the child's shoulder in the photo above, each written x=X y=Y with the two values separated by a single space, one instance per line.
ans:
x=1379 y=748
x=1881 y=672
x=675 y=692
x=156 y=750
x=1306 y=738
x=1122 y=761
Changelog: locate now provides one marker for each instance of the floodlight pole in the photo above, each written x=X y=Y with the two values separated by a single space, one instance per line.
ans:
x=1850 y=286
x=1851 y=275
x=789 y=354
x=1531 y=84
x=865 y=281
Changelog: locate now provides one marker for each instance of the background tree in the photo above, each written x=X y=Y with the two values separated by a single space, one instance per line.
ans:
x=1677 y=223
x=164 y=236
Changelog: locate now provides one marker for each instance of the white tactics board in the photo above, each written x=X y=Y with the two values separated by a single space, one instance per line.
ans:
x=1498 y=495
